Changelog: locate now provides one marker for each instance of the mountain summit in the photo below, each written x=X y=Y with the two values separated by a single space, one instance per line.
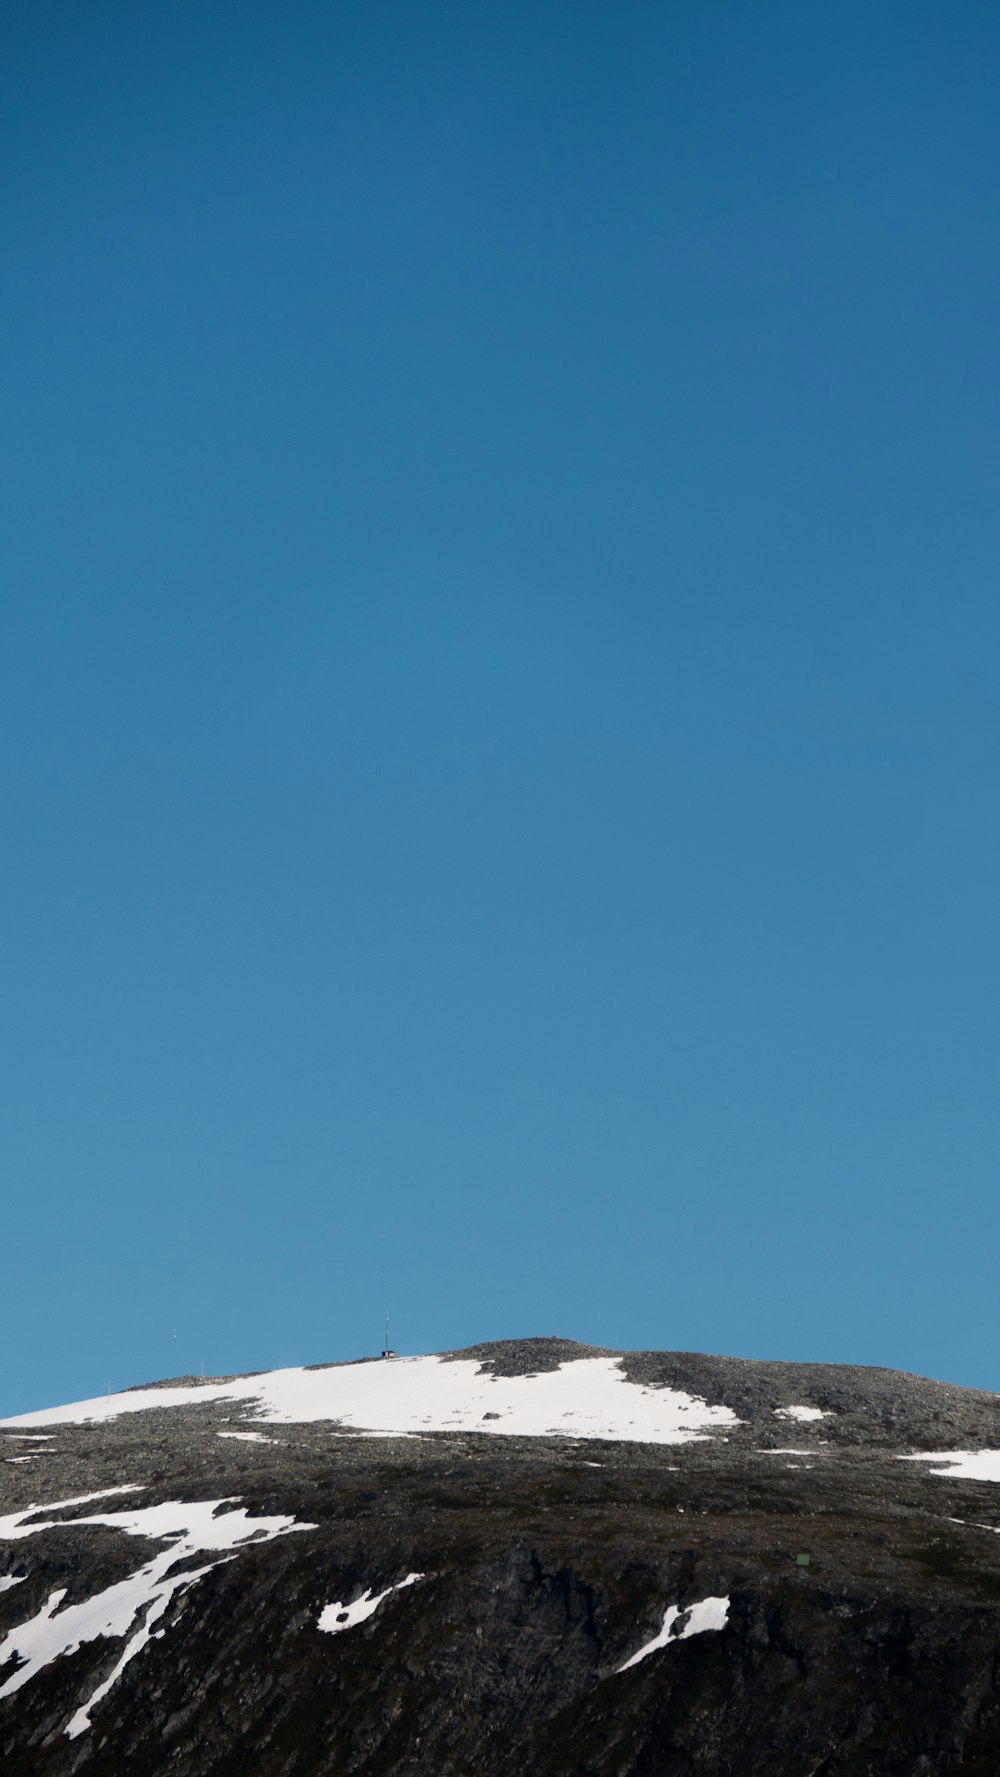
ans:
x=530 y=1556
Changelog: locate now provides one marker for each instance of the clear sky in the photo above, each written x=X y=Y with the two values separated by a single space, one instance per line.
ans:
x=498 y=681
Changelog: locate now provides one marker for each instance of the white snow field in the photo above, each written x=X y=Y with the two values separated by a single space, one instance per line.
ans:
x=711 y=1613
x=133 y=1605
x=962 y=1465
x=335 y=1618
x=801 y=1413
x=587 y=1397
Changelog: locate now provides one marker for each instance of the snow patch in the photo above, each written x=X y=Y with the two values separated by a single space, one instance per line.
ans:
x=963 y=1465
x=16 y=1524
x=247 y=1437
x=802 y=1413
x=585 y=1398
x=6 y=1581
x=711 y=1613
x=132 y=1606
x=335 y=1618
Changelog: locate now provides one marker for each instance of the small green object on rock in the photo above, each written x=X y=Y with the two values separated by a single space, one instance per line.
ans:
x=802 y=1560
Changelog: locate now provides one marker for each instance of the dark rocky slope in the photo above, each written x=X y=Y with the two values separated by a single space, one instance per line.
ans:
x=543 y=1574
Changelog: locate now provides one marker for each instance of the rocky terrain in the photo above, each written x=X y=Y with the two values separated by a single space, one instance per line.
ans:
x=535 y=1557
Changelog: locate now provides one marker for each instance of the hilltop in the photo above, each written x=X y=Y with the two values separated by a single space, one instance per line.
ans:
x=529 y=1556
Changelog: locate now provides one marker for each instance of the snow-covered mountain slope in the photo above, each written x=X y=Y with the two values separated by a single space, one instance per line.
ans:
x=346 y=1569
x=587 y=1397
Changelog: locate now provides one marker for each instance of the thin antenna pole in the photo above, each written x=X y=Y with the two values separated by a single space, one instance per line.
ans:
x=386 y=1347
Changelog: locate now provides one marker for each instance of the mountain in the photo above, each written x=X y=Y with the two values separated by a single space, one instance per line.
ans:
x=530 y=1557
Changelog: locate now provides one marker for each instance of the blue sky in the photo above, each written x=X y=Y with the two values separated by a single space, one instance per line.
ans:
x=498 y=682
